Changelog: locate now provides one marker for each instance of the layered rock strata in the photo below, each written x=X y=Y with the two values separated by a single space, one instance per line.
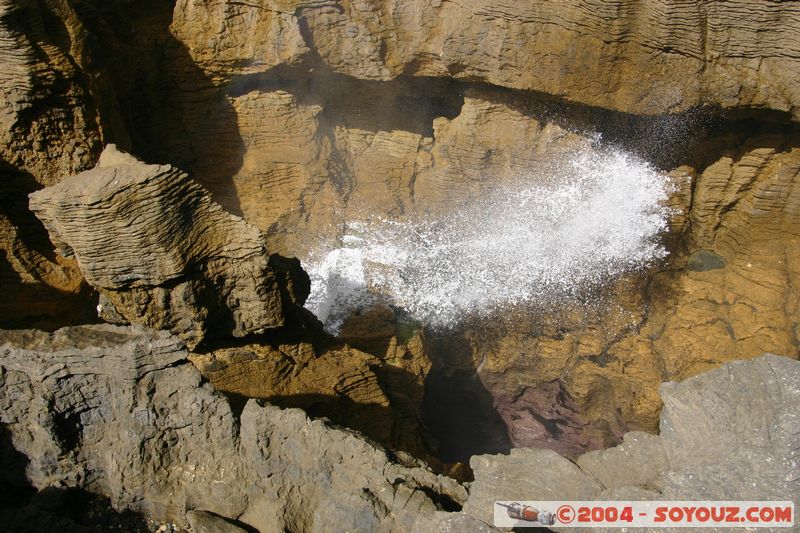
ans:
x=49 y=128
x=118 y=411
x=645 y=58
x=577 y=377
x=316 y=111
x=154 y=243
x=378 y=395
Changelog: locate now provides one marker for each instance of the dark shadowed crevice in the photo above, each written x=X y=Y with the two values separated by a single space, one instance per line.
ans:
x=458 y=410
x=23 y=509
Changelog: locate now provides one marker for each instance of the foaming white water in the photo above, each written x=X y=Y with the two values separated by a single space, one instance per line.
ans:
x=545 y=240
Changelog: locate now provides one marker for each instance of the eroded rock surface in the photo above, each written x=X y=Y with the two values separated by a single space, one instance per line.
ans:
x=48 y=129
x=163 y=252
x=577 y=377
x=117 y=410
x=378 y=395
x=302 y=116
x=646 y=58
x=727 y=434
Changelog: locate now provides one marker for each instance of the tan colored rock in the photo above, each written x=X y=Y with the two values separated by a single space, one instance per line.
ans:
x=156 y=245
x=645 y=58
x=303 y=115
x=340 y=383
x=46 y=128
x=491 y=143
x=49 y=128
x=285 y=182
x=379 y=392
x=41 y=288
x=240 y=38
x=597 y=369
x=316 y=159
x=730 y=295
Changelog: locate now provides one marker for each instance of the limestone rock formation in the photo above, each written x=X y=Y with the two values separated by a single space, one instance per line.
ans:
x=727 y=434
x=45 y=126
x=116 y=410
x=579 y=377
x=373 y=384
x=163 y=253
x=493 y=141
x=256 y=102
x=48 y=129
x=301 y=116
x=644 y=58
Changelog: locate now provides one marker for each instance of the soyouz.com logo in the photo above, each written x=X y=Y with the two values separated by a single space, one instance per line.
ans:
x=733 y=514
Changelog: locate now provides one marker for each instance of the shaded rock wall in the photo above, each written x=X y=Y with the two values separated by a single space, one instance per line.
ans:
x=727 y=434
x=118 y=411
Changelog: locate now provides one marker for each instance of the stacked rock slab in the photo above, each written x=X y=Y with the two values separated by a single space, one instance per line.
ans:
x=378 y=393
x=118 y=411
x=165 y=255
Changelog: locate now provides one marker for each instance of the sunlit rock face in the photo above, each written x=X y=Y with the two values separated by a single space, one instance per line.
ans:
x=366 y=138
x=568 y=355
x=163 y=253
x=644 y=58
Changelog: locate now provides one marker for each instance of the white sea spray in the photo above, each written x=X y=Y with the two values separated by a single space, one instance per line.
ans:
x=544 y=239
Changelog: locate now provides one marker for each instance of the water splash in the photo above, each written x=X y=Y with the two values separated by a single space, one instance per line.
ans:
x=545 y=240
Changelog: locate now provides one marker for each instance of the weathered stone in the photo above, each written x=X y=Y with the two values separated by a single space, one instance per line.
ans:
x=379 y=395
x=156 y=245
x=578 y=377
x=638 y=58
x=525 y=474
x=302 y=116
x=341 y=384
x=205 y=522
x=493 y=142
x=727 y=434
x=705 y=260
x=114 y=410
x=642 y=455
x=48 y=128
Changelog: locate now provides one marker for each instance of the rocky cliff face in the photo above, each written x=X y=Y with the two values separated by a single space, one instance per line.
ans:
x=644 y=58
x=726 y=292
x=295 y=118
x=119 y=411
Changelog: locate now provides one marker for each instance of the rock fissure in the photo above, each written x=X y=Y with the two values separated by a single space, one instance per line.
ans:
x=328 y=131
